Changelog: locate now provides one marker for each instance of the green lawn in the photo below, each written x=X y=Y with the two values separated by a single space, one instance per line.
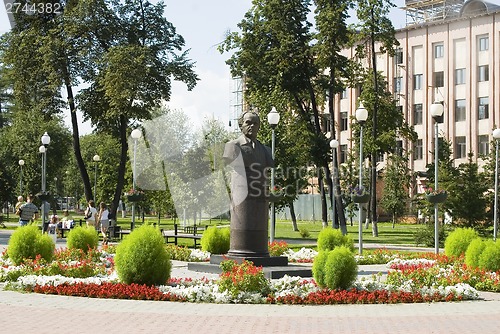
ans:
x=401 y=234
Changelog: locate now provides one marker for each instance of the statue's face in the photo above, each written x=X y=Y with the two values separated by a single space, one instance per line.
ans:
x=250 y=126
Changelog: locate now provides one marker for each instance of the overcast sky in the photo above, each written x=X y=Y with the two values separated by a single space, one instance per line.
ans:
x=203 y=24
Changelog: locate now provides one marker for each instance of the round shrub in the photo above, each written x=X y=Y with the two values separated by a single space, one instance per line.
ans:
x=330 y=238
x=82 y=237
x=318 y=268
x=490 y=257
x=27 y=242
x=142 y=257
x=341 y=268
x=215 y=240
x=474 y=251
x=457 y=241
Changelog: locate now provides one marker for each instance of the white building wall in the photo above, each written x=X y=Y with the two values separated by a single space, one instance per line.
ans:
x=460 y=41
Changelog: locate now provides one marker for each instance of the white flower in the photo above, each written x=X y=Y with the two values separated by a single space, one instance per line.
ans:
x=304 y=254
x=199 y=255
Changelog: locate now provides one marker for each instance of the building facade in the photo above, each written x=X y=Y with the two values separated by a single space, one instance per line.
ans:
x=449 y=53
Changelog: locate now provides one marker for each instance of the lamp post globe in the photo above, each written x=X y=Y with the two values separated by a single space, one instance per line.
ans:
x=334 y=143
x=361 y=113
x=45 y=139
x=136 y=133
x=273 y=117
x=436 y=109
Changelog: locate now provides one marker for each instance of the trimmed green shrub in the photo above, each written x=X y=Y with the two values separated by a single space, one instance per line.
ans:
x=318 y=268
x=425 y=235
x=82 y=237
x=142 y=258
x=330 y=238
x=474 y=251
x=490 y=257
x=457 y=241
x=304 y=233
x=27 y=242
x=341 y=269
x=215 y=240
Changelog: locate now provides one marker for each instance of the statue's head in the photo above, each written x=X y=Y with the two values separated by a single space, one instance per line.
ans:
x=249 y=123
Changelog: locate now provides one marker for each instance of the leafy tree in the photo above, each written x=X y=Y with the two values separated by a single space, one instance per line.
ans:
x=374 y=26
x=21 y=140
x=124 y=52
x=468 y=202
x=397 y=179
x=333 y=35
x=274 y=53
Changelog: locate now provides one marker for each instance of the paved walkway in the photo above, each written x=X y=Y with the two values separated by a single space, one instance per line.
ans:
x=35 y=313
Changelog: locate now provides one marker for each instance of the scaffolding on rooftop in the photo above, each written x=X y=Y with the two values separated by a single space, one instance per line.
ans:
x=423 y=11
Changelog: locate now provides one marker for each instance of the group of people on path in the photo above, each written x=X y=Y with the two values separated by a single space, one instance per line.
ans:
x=98 y=219
x=28 y=212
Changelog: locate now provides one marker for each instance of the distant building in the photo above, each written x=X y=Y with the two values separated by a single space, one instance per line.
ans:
x=450 y=52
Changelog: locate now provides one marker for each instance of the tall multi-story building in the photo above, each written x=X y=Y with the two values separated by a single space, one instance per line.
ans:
x=449 y=52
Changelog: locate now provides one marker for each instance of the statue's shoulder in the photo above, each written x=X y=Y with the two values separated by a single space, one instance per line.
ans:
x=241 y=140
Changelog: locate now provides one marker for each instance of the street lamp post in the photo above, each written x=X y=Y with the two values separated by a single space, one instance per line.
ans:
x=361 y=117
x=21 y=164
x=43 y=150
x=273 y=118
x=96 y=159
x=136 y=134
x=334 y=144
x=436 y=110
x=496 y=136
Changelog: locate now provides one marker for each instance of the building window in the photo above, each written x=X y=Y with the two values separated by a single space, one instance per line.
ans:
x=484 y=43
x=344 y=94
x=460 y=149
x=398 y=57
x=483 y=73
x=460 y=110
x=439 y=79
x=417 y=81
x=399 y=147
x=398 y=84
x=343 y=121
x=483 y=144
x=343 y=153
x=417 y=114
x=438 y=51
x=418 y=150
x=482 y=108
x=460 y=76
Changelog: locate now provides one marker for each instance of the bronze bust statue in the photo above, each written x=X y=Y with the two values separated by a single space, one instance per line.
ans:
x=250 y=161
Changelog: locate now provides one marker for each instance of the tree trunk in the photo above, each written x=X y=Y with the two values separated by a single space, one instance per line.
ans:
x=123 y=160
x=293 y=216
x=336 y=200
x=324 y=208
x=87 y=188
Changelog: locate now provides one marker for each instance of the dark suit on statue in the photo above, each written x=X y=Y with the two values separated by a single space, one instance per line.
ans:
x=250 y=161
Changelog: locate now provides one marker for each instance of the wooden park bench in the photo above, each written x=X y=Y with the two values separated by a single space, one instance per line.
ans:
x=188 y=232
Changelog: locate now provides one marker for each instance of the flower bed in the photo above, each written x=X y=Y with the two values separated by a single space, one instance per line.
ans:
x=435 y=278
